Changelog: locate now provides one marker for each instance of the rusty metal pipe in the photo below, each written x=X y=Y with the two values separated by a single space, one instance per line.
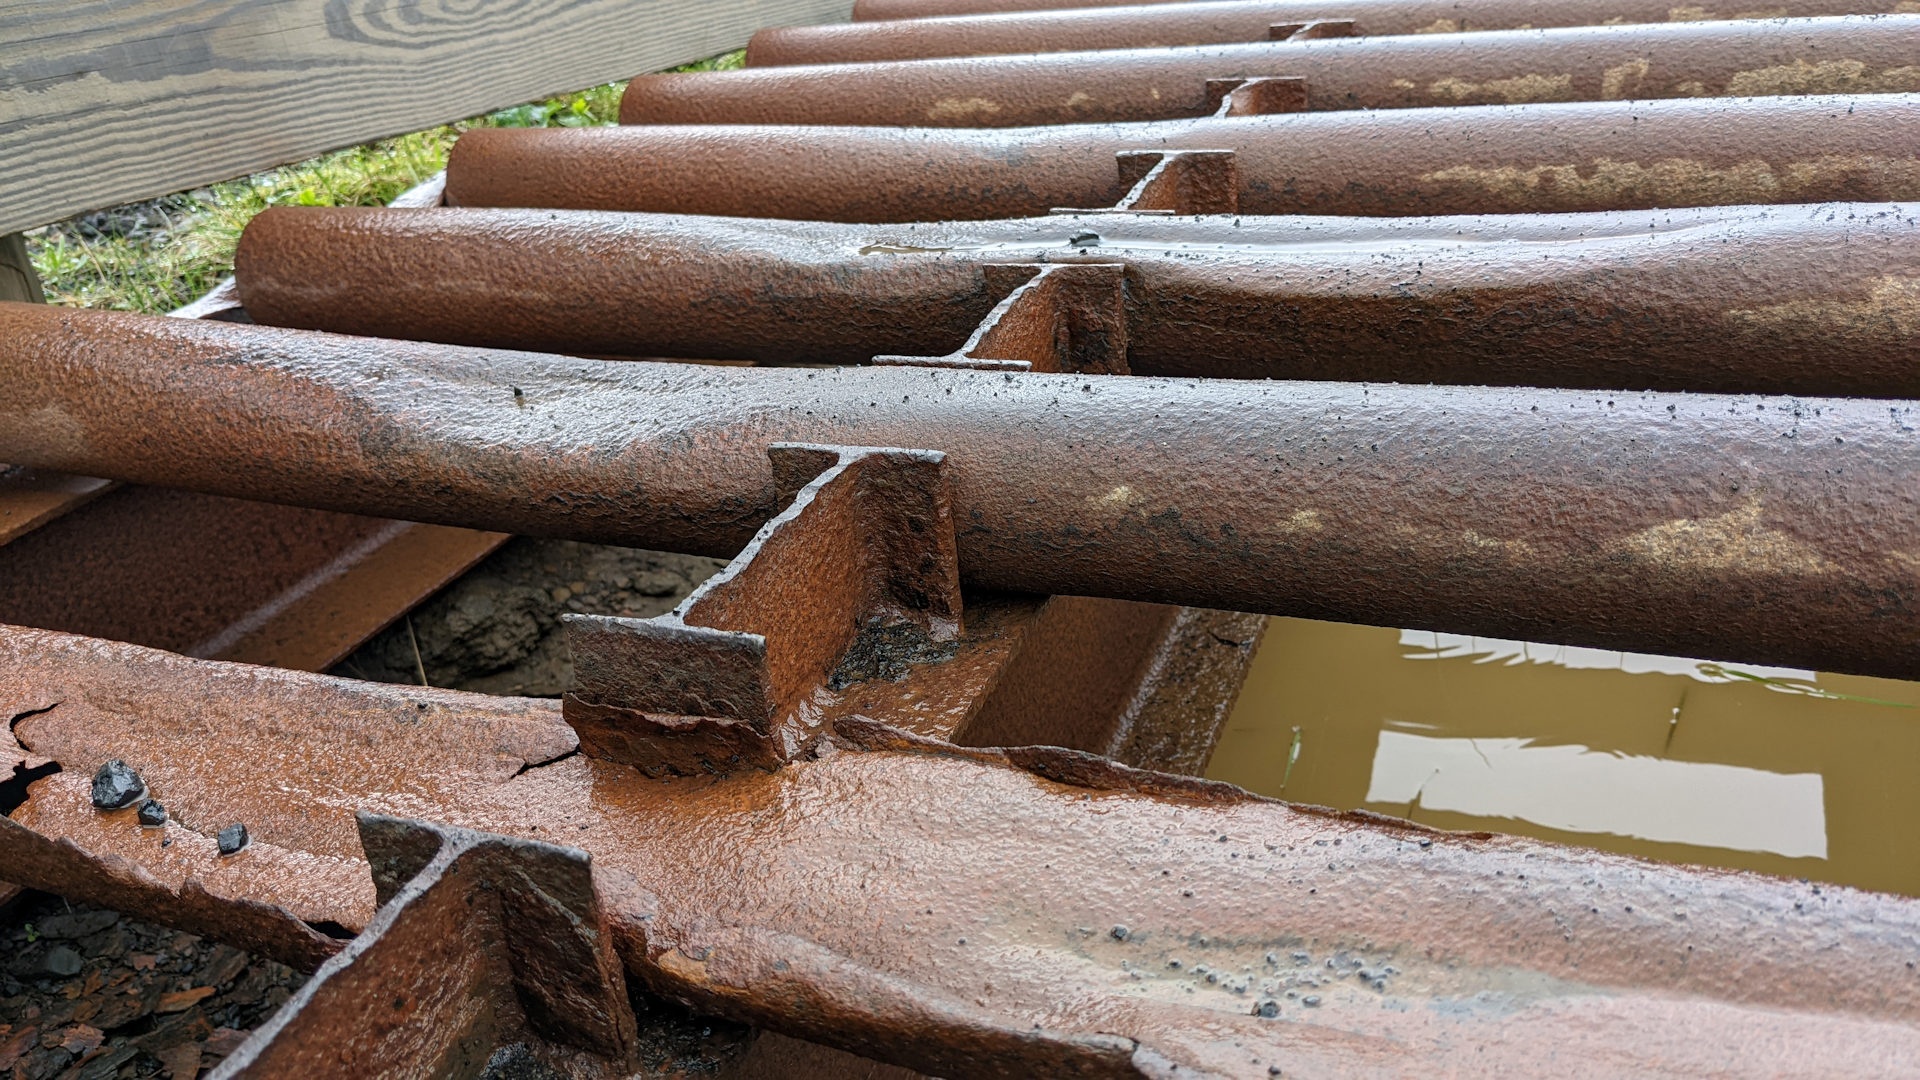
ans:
x=1811 y=300
x=988 y=27
x=1858 y=54
x=1770 y=530
x=1477 y=160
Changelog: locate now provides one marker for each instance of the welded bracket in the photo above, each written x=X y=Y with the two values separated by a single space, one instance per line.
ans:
x=1065 y=317
x=1180 y=181
x=1264 y=95
x=1173 y=182
x=1311 y=30
x=862 y=558
x=481 y=942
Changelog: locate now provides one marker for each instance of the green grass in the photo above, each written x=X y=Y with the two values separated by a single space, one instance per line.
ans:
x=157 y=255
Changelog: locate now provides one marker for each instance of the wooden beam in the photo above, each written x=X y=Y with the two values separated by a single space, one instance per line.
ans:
x=17 y=279
x=104 y=103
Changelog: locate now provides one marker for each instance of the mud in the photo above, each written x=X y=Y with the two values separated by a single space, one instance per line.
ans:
x=497 y=629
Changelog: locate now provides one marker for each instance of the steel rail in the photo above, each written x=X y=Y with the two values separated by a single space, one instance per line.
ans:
x=1770 y=530
x=1552 y=158
x=861 y=898
x=1807 y=300
x=1873 y=53
x=1006 y=26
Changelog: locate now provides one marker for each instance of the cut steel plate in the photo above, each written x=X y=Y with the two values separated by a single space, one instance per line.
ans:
x=1763 y=529
x=988 y=27
x=1552 y=158
x=1844 y=54
x=1798 y=299
x=856 y=898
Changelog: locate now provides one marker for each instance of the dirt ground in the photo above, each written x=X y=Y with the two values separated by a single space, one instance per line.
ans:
x=88 y=994
x=497 y=629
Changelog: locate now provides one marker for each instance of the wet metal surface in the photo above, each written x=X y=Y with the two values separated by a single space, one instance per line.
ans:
x=986 y=27
x=1790 y=772
x=1768 y=530
x=1857 y=54
x=1809 y=300
x=1164 y=921
x=1534 y=158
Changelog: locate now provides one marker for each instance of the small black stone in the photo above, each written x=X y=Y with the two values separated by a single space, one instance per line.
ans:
x=232 y=839
x=1268 y=1010
x=1119 y=933
x=61 y=961
x=1084 y=239
x=116 y=785
x=152 y=813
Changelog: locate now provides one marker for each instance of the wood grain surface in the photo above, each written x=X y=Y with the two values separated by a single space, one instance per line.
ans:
x=107 y=101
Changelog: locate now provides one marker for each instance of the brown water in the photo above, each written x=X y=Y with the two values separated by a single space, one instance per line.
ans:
x=1788 y=772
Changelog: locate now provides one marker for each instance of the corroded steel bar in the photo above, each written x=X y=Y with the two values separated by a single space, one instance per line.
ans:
x=1004 y=26
x=1770 y=530
x=1590 y=63
x=1478 y=160
x=981 y=913
x=1796 y=299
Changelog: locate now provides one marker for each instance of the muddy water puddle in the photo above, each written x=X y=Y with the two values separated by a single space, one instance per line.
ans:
x=1784 y=771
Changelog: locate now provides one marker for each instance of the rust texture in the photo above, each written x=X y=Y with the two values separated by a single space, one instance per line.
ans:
x=855 y=898
x=1842 y=54
x=1763 y=529
x=1807 y=300
x=1582 y=156
x=482 y=941
x=987 y=27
